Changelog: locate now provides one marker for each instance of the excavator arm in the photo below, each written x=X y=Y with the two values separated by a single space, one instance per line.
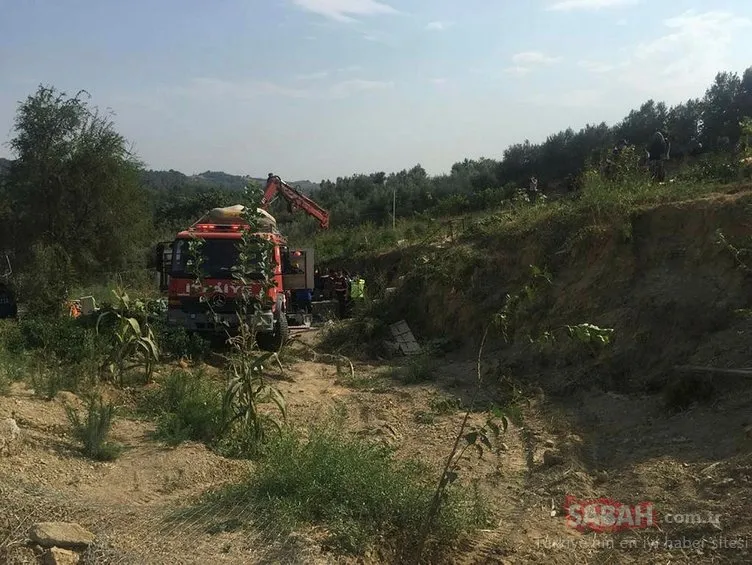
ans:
x=276 y=186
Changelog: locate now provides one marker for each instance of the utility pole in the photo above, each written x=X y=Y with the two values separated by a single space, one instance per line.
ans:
x=394 y=207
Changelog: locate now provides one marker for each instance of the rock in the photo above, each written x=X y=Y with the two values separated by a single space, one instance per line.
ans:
x=551 y=458
x=550 y=443
x=59 y=556
x=65 y=535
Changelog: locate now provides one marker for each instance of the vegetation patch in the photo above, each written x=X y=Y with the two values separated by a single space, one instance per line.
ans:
x=356 y=491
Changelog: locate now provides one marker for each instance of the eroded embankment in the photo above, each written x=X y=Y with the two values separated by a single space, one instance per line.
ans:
x=658 y=276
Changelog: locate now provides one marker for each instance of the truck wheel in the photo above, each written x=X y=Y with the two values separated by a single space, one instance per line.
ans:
x=273 y=341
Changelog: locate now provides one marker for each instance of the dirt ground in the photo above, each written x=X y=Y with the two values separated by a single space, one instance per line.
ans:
x=627 y=448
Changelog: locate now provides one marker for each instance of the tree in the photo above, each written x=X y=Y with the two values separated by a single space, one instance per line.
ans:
x=74 y=186
x=721 y=114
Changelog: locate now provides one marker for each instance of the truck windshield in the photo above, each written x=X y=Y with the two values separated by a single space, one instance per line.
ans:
x=220 y=256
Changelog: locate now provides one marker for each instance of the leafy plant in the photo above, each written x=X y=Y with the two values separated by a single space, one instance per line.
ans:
x=246 y=389
x=188 y=407
x=134 y=343
x=469 y=436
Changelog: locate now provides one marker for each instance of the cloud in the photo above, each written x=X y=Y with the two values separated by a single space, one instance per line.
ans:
x=597 y=67
x=313 y=76
x=517 y=70
x=573 y=5
x=523 y=62
x=205 y=88
x=348 y=87
x=343 y=10
x=580 y=98
x=687 y=57
x=533 y=58
x=438 y=26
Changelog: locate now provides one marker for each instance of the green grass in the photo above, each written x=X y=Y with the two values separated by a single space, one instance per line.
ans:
x=187 y=407
x=359 y=493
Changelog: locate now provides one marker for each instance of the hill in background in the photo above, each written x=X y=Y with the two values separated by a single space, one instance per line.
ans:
x=211 y=179
x=172 y=179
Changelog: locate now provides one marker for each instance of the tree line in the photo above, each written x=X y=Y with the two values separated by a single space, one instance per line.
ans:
x=76 y=202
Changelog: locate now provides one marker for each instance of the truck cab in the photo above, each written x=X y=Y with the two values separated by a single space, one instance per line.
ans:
x=215 y=310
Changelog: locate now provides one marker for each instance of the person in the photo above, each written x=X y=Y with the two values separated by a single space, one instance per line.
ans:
x=304 y=299
x=658 y=150
x=357 y=287
x=533 y=188
x=329 y=281
x=340 y=292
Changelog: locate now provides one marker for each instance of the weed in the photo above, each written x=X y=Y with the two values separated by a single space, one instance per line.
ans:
x=361 y=336
x=357 y=491
x=134 y=345
x=94 y=431
x=425 y=417
x=188 y=407
x=444 y=405
x=418 y=369
x=180 y=343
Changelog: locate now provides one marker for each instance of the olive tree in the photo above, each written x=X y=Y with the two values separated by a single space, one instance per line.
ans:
x=73 y=188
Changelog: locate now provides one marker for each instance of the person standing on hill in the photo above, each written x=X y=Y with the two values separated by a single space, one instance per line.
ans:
x=658 y=150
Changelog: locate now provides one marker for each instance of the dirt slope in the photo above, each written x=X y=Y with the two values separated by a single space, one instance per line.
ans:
x=637 y=453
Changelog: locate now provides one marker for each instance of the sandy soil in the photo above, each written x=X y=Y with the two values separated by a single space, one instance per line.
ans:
x=622 y=447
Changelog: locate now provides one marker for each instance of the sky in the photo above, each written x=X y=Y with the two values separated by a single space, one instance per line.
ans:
x=316 y=89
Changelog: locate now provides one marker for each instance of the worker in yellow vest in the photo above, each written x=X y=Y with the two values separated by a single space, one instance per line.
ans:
x=357 y=288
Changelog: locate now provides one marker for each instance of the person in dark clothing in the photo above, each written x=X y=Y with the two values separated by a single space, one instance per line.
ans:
x=304 y=298
x=340 y=292
x=658 y=150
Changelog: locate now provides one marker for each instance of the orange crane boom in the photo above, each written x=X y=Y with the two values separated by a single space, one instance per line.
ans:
x=295 y=199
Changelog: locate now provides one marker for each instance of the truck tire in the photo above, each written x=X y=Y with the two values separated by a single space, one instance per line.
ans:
x=273 y=341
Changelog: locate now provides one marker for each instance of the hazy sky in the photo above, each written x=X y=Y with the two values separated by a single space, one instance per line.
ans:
x=313 y=89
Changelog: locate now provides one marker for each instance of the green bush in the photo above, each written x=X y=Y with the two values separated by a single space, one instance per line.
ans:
x=180 y=343
x=68 y=339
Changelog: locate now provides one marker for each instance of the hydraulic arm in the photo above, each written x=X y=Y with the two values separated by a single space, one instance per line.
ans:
x=295 y=199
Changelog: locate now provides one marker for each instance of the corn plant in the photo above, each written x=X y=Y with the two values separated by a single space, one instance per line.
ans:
x=246 y=388
x=135 y=346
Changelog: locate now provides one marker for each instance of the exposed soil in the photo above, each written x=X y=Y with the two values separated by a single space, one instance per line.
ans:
x=623 y=447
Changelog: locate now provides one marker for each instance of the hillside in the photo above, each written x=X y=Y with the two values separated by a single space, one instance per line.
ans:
x=164 y=180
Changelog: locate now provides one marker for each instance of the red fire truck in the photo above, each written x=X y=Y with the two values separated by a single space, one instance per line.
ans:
x=214 y=309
